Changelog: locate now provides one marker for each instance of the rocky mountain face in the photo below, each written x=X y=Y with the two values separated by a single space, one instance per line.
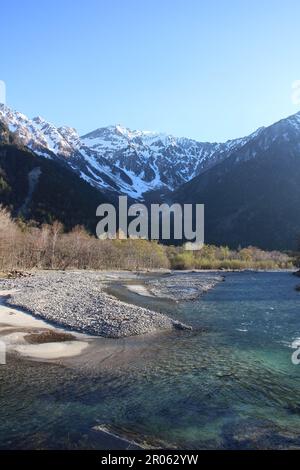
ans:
x=116 y=159
x=42 y=189
x=250 y=186
x=253 y=197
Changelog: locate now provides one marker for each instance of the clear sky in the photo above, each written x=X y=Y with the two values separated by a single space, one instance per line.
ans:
x=210 y=70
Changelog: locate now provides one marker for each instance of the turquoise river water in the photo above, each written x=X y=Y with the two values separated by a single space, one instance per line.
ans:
x=228 y=384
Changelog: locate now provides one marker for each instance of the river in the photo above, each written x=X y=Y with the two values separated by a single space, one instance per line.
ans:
x=228 y=384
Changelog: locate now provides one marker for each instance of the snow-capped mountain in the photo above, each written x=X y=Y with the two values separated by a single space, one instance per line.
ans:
x=118 y=159
x=250 y=186
x=152 y=160
x=253 y=197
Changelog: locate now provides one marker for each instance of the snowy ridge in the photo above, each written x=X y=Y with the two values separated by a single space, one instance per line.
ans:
x=121 y=160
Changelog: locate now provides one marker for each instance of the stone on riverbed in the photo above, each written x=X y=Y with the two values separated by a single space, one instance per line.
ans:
x=77 y=301
x=180 y=287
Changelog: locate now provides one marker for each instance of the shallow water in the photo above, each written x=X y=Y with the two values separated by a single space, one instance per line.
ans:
x=230 y=383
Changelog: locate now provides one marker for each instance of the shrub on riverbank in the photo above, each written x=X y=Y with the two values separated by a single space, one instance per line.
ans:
x=213 y=257
x=49 y=247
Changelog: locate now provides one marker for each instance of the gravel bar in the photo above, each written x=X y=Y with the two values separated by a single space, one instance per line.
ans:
x=77 y=301
x=183 y=286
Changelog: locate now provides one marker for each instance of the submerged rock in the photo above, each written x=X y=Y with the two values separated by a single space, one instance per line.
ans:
x=181 y=326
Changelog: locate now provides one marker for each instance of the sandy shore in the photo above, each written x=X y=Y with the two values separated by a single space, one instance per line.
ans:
x=16 y=326
x=139 y=289
x=76 y=303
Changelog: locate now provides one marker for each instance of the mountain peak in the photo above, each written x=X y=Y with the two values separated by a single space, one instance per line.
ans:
x=134 y=162
x=122 y=129
x=295 y=119
x=39 y=120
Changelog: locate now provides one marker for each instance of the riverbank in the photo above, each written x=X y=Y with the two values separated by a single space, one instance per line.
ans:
x=34 y=338
x=77 y=300
x=70 y=316
x=178 y=286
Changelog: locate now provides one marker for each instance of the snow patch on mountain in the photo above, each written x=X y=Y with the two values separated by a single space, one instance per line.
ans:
x=134 y=162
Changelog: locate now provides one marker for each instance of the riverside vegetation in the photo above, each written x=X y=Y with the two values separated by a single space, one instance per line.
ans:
x=27 y=246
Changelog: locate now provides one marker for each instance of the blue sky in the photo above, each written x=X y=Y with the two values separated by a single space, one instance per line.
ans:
x=210 y=70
